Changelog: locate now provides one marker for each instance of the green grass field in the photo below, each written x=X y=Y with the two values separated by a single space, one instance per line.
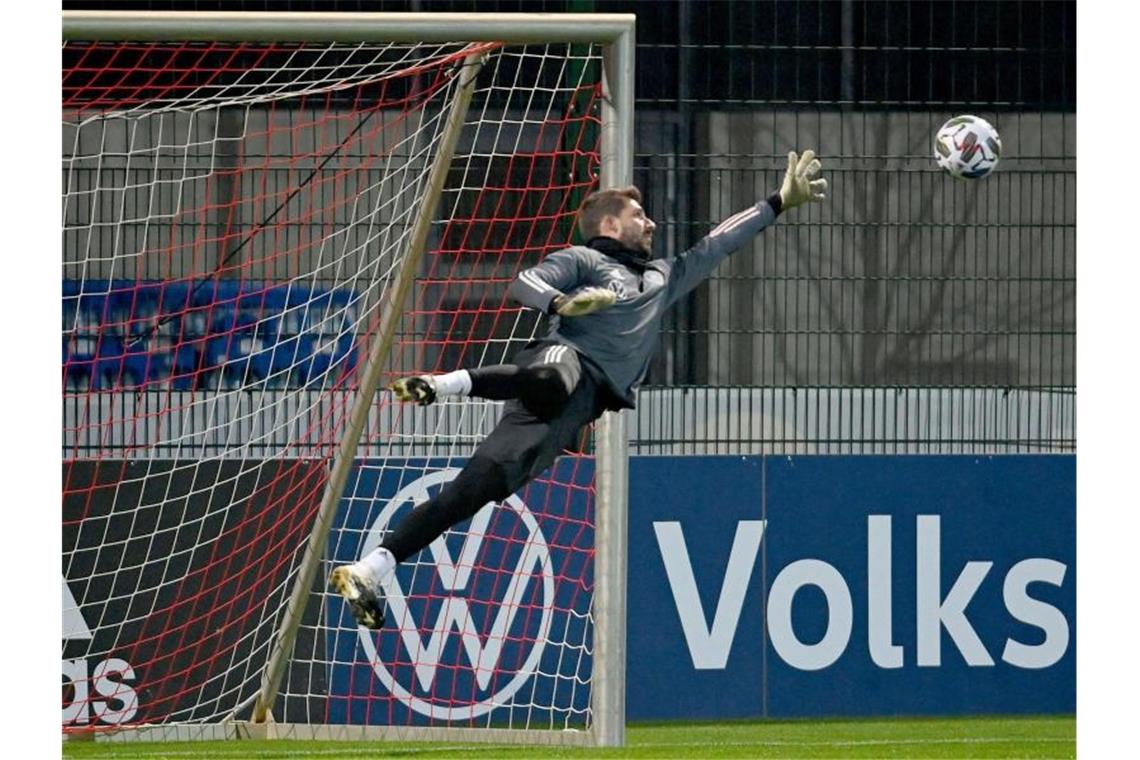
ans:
x=909 y=738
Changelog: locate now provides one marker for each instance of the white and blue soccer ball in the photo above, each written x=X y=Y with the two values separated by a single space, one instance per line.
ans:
x=967 y=147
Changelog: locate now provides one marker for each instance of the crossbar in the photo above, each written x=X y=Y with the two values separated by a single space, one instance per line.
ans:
x=227 y=26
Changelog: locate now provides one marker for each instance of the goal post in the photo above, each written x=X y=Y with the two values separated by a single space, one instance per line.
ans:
x=370 y=378
x=265 y=217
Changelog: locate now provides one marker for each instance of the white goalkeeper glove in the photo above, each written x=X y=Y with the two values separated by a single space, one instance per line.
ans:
x=584 y=301
x=799 y=187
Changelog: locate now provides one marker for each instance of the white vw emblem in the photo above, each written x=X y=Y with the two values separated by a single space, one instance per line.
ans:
x=454 y=612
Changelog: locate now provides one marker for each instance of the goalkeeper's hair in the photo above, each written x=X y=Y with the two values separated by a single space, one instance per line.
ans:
x=601 y=204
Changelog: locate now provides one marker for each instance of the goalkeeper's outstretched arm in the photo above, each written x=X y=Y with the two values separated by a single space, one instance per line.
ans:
x=692 y=267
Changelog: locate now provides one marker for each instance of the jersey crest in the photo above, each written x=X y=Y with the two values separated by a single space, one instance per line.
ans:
x=612 y=279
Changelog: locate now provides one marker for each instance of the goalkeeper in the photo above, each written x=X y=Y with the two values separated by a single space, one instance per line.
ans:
x=606 y=299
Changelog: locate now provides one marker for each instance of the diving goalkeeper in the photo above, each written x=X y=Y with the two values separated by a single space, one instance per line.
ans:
x=606 y=299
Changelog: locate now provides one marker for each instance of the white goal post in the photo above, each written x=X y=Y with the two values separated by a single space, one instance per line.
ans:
x=266 y=216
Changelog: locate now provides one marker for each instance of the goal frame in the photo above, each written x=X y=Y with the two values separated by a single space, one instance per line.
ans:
x=615 y=33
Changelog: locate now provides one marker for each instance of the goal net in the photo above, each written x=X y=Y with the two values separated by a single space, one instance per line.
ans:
x=256 y=235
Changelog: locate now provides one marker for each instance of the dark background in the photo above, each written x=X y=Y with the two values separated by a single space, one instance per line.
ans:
x=1006 y=54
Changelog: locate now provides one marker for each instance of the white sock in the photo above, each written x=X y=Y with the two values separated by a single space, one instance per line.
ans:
x=379 y=563
x=457 y=383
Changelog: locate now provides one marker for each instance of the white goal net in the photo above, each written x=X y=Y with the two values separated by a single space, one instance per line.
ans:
x=236 y=220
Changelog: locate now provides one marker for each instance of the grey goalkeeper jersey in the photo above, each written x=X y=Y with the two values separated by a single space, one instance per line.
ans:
x=619 y=340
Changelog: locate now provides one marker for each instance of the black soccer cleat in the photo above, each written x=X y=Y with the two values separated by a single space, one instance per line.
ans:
x=366 y=603
x=418 y=389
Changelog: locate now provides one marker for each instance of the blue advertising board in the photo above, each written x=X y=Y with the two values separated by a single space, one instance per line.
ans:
x=693 y=524
x=487 y=625
x=758 y=587
x=853 y=585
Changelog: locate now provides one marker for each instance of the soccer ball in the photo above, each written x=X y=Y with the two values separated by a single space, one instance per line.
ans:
x=967 y=147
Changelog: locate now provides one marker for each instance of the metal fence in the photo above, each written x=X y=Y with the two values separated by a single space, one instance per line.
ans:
x=907 y=283
x=912 y=311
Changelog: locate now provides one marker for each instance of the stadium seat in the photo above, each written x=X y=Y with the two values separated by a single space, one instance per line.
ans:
x=136 y=367
x=203 y=333
x=275 y=299
x=184 y=366
x=265 y=335
x=195 y=322
x=90 y=311
x=245 y=355
x=225 y=318
x=290 y=351
x=294 y=308
x=253 y=297
x=214 y=290
x=79 y=352
x=135 y=306
x=175 y=296
x=328 y=352
x=108 y=365
x=80 y=346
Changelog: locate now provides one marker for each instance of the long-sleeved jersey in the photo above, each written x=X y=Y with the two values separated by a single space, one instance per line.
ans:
x=619 y=340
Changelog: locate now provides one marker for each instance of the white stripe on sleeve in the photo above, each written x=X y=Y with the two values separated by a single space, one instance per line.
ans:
x=735 y=221
x=531 y=279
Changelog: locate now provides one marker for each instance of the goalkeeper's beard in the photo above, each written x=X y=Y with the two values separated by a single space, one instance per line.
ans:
x=638 y=243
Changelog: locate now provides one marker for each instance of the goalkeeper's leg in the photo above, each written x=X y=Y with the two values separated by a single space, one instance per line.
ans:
x=542 y=377
x=520 y=447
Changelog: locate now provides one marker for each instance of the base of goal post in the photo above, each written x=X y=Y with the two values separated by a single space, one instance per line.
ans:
x=177 y=732
x=317 y=732
x=239 y=730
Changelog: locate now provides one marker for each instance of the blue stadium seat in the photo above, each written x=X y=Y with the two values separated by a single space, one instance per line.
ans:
x=328 y=312
x=175 y=296
x=80 y=346
x=108 y=365
x=276 y=299
x=202 y=332
x=184 y=366
x=225 y=318
x=254 y=297
x=328 y=352
x=90 y=311
x=294 y=308
x=136 y=367
x=97 y=358
x=318 y=315
x=79 y=353
x=346 y=304
x=214 y=290
x=244 y=356
x=261 y=360
x=195 y=322
x=132 y=307
x=290 y=351
x=297 y=294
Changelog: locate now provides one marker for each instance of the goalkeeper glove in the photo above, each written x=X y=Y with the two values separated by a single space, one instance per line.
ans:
x=584 y=301
x=418 y=389
x=799 y=187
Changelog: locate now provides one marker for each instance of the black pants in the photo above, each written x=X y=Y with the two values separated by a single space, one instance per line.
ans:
x=549 y=402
